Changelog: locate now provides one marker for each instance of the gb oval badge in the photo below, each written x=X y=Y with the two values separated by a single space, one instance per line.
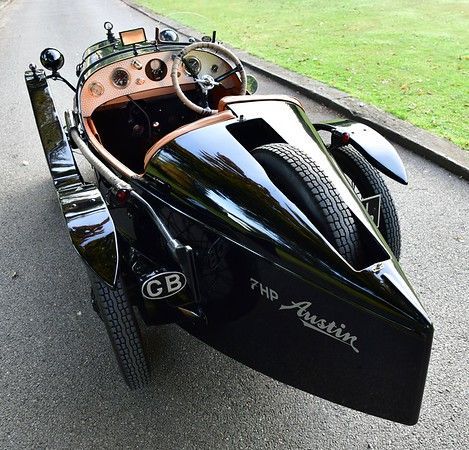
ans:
x=163 y=285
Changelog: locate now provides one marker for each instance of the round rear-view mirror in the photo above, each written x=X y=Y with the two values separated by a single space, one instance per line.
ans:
x=52 y=59
x=168 y=35
x=252 y=84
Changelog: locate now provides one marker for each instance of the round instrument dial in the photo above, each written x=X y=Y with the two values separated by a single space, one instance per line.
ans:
x=96 y=89
x=120 y=78
x=156 y=69
x=192 y=65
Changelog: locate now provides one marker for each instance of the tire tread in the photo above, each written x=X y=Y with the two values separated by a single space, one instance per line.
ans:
x=348 y=157
x=124 y=334
x=336 y=212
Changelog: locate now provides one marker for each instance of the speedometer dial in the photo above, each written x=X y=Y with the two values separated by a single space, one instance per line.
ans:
x=120 y=78
x=192 y=65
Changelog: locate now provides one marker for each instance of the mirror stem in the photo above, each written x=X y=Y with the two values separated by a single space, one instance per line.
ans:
x=56 y=76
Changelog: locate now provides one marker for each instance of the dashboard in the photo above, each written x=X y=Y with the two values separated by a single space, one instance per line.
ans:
x=147 y=75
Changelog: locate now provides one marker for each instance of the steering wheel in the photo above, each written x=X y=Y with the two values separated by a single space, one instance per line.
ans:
x=206 y=82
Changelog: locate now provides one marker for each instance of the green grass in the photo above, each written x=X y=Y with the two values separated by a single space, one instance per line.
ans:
x=408 y=57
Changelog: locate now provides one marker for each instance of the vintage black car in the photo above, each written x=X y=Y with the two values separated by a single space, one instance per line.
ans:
x=272 y=239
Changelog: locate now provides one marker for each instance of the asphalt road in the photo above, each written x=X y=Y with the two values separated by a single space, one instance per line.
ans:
x=59 y=385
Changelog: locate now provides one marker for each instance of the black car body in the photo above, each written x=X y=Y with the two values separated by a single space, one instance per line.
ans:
x=202 y=221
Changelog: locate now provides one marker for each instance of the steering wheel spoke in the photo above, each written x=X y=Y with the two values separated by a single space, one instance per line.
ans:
x=236 y=69
x=206 y=82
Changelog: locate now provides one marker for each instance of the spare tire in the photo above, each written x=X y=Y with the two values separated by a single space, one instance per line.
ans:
x=304 y=183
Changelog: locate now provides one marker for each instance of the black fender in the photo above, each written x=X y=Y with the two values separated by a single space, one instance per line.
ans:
x=373 y=146
x=88 y=220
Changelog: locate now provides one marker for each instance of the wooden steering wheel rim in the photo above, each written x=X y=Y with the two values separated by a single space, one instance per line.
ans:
x=200 y=46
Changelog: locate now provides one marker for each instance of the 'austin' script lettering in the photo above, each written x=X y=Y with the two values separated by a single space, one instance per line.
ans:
x=322 y=325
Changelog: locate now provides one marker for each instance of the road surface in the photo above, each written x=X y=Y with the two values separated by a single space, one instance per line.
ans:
x=59 y=385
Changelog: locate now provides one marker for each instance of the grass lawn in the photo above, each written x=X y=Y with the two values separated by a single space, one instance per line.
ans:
x=408 y=57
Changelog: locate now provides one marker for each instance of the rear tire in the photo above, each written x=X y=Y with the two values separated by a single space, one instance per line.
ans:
x=304 y=183
x=116 y=312
x=368 y=182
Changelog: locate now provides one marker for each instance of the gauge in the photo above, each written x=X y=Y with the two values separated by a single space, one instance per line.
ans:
x=156 y=69
x=120 y=78
x=192 y=65
x=96 y=89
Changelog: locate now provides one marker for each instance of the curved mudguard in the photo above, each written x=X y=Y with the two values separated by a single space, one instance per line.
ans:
x=87 y=217
x=375 y=148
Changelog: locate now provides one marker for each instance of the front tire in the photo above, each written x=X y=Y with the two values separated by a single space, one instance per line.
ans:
x=368 y=182
x=116 y=312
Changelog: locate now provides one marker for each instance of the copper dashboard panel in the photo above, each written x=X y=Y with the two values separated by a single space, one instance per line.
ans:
x=103 y=76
